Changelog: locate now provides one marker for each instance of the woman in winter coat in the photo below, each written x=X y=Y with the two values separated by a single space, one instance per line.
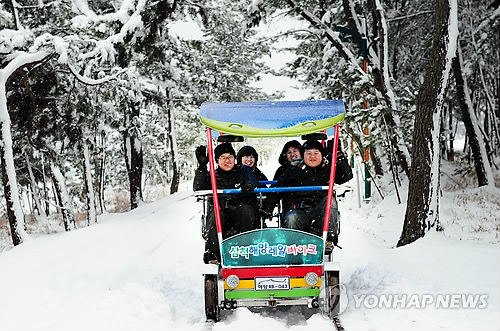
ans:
x=247 y=155
x=291 y=153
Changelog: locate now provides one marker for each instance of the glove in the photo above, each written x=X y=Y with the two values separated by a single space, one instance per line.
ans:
x=201 y=156
x=329 y=150
x=247 y=188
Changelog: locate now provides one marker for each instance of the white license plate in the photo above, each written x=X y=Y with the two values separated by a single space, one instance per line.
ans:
x=272 y=283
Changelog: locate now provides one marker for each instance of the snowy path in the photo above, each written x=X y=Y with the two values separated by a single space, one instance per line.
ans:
x=142 y=271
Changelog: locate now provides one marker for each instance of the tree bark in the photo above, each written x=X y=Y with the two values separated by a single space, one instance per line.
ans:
x=99 y=163
x=63 y=197
x=422 y=212
x=133 y=155
x=45 y=189
x=476 y=142
x=36 y=191
x=13 y=221
x=174 y=185
x=89 y=186
x=451 y=136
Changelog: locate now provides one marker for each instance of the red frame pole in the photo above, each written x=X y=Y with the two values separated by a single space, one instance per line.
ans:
x=214 y=184
x=332 y=180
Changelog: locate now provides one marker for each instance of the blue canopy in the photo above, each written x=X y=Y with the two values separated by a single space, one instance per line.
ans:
x=272 y=118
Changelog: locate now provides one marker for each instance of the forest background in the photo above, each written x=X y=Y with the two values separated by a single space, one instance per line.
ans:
x=99 y=100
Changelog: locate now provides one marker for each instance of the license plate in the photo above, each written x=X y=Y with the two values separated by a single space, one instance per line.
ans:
x=272 y=283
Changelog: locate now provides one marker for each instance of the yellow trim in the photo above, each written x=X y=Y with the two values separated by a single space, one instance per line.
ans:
x=250 y=284
x=296 y=130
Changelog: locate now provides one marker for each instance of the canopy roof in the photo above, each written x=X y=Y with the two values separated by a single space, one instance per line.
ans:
x=272 y=118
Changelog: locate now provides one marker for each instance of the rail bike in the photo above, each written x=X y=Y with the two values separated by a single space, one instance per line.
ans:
x=271 y=266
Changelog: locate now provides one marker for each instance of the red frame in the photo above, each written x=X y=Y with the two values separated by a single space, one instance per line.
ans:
x=216 y=197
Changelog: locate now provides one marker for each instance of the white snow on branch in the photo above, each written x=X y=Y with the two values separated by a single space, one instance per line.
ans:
x=130 y=23
x=488 y=21
x=89 y=17
x=91 y=81
x=12 y=39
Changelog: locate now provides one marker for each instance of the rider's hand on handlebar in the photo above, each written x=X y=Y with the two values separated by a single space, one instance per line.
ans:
x=247 y=188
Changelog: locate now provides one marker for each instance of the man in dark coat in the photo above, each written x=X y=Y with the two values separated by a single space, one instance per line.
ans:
x=306 y=210
x=237 y=211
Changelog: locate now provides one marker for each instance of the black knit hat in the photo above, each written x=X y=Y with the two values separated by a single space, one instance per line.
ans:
x=246 y=151
x=292 y=143
x=314 y=144
x=222 y=149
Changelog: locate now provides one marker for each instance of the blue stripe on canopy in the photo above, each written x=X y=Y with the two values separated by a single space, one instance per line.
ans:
x=272 y=114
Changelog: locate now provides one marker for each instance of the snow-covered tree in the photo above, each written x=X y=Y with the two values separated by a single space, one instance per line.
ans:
x=422 y=212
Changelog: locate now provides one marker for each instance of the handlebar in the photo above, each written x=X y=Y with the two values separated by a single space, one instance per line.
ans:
x=265 y=190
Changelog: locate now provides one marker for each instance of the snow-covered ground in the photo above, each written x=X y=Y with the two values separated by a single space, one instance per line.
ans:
x=141 y=270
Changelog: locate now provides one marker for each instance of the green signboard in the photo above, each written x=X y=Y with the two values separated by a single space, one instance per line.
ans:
x=268 y=247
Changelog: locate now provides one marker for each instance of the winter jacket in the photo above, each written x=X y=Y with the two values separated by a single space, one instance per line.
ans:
x=303 y=175
x=284 y=163
x=237 y=177
x=260 y=176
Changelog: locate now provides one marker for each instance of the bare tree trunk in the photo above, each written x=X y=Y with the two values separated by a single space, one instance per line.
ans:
x=422 y=211
x=451 y=135
x=99 y=165
x=91 y=210
x=14 y=223
x=63 y=197
x=34 y=188
x=172 y=143
x=476 y=143
x=133 y=155
x=45 y=190
x=377 y=163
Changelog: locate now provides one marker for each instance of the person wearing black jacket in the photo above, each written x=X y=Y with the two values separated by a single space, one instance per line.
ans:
x=306 y=210
x=291 y=153
x=247 y=155
x=237 y=211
